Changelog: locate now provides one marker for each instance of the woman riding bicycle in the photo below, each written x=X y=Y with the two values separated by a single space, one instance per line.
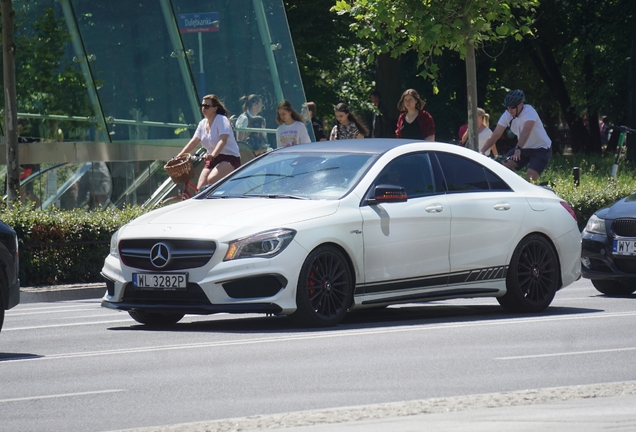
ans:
x=216 y=136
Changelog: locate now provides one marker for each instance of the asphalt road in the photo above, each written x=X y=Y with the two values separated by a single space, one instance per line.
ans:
x=75 y=366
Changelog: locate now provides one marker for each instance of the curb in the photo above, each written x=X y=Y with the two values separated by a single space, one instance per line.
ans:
x=53 y=293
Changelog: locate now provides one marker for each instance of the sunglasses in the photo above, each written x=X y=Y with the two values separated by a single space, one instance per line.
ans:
x=205 y=106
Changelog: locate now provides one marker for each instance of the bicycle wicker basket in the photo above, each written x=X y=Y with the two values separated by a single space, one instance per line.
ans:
x=180 y=168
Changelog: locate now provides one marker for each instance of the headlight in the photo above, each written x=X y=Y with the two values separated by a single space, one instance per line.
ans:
x=267 y=244
x=114 y=240
x=596 y=225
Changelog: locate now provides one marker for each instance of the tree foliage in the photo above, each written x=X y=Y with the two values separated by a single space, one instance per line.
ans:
x=431 y=26
x=45 y=82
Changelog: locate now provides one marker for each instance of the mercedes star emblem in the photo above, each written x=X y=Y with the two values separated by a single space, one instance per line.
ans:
x=160 y=255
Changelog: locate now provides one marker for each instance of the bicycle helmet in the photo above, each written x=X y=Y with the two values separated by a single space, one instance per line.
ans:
x=514 y=98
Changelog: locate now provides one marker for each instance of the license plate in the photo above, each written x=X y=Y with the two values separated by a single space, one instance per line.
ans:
x=624 y=247
x=160 y=280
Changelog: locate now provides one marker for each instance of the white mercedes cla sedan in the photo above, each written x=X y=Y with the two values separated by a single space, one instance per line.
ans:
x=314 y=230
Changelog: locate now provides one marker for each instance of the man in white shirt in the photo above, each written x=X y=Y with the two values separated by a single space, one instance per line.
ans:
x=534 y=147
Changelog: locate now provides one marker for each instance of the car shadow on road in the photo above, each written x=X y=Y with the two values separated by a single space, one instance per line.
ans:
x=627 y=296
x=17 y=356
x=394 y=316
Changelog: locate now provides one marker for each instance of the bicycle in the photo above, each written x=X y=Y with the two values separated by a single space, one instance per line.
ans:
x=624 y=130
x=181 y=170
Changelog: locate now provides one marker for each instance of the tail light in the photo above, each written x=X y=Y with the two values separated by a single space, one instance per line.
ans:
x=569 y=209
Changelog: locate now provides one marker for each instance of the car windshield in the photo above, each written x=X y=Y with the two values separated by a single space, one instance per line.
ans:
x=300 y=175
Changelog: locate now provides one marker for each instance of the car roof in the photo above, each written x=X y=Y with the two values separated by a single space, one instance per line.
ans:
x=369 y=145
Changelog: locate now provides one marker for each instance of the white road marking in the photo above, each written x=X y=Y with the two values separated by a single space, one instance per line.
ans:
x=64 y=325
x=611 y=350
x=304 y=337
x=60 y=395
x=50 y=311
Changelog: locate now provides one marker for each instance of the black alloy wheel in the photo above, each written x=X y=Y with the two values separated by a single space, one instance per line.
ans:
x=325 y=288
x=533 y=276
x=155 y=318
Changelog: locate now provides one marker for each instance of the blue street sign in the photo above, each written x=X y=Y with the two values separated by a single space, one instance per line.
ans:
x=199 y=22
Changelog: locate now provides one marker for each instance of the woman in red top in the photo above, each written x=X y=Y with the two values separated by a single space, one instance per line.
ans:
x=414 y=122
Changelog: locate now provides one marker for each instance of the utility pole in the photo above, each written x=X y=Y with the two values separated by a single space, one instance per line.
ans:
x=10 y=103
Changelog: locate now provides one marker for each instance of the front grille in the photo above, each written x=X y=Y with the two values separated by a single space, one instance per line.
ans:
x=624 y=227
x=193 y=295
x=184 y=254
x=626 y=265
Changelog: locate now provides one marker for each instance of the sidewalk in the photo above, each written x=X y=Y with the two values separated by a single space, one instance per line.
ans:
x=583 y=408
x=52 y=293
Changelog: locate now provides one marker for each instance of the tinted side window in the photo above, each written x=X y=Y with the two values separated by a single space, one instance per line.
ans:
x=496 y=183
x=412 y=172
x=463 y=174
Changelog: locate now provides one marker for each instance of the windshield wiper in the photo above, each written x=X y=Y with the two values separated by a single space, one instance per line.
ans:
x=258 y=175
x=273 y=196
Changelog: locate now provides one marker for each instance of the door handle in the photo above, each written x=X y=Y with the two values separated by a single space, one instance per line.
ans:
x=502 y=206
x=435 y=208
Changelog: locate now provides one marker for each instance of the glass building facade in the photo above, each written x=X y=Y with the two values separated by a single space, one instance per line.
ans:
x=109 y=90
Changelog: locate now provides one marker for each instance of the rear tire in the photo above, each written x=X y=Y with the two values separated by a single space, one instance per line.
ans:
x=325 y=288
x=533 y=276
x=155 y=318
x=613 y=287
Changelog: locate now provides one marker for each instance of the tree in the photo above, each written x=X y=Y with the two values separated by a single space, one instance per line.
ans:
x=10 y=102
x=431 y=26
x=583 y=62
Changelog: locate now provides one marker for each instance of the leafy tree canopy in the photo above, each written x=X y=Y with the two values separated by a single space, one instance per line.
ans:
x=430 y=26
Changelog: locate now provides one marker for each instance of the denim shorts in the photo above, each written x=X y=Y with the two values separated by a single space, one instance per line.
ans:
x=536 y=158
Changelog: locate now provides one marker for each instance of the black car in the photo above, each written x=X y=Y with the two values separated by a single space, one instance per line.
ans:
x=9 y=280
x=608 y=254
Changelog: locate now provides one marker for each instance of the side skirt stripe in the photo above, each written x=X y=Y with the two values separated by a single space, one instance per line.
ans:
x=442 y=280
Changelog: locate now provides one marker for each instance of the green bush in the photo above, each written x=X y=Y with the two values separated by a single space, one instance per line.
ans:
x=61 y=246
x=597 y=188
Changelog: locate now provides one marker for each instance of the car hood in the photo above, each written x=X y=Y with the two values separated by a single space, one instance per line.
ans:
x=238 y=212
x=624 y=208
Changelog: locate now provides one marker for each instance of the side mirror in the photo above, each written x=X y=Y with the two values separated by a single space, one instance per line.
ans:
x=388 y=193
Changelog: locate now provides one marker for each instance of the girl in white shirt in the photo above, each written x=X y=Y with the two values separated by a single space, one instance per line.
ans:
x=216 y=136
x=292 y=128
x=484 y=132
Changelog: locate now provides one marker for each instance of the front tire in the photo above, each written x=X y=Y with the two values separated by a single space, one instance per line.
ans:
x=155 y=318
x=613 y=287
x=3 y=288
x=533 y=276
x=325 y=288
x=1 y=309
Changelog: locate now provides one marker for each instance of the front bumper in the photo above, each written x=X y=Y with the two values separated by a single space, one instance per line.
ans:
x=598 y=262
x=192 y=300
x=252 y=285
x=267 y=308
